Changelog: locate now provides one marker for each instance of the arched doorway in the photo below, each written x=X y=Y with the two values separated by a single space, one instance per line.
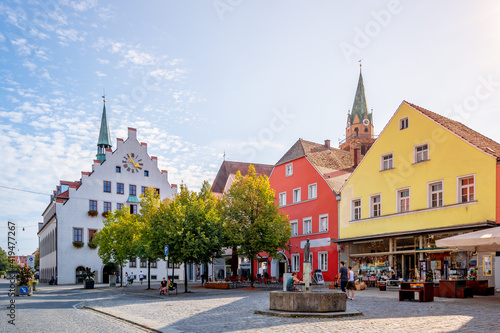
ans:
x=108 y=270
x=79 y=274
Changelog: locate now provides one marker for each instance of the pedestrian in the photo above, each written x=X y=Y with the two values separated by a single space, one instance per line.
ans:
x=351 y=286
x=343 y=276
x=126 y=279
x=141 y=276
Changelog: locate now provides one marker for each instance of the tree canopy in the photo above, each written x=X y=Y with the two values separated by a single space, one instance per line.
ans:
x=252 y=218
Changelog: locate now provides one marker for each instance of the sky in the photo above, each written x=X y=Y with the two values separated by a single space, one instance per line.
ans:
x=204 y=80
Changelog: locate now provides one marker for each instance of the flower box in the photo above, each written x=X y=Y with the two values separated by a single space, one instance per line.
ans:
x=91 y=245
x=92 y=213
x=214 y=285
x=77 y=244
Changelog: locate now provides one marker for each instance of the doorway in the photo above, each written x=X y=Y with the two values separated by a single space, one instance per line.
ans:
x=409 y=266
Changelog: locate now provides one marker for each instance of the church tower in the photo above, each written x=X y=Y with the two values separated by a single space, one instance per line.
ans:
x=104 y=141
x=359 y=129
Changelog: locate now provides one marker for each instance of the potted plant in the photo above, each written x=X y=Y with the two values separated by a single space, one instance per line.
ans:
x=91 y=245
x=24 y=287
x=77 y=244
x=92 y=213
x=88 y=278
x=105 y=214
x=217 y=285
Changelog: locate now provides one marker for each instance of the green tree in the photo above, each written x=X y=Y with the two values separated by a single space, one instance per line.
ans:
x=253 y=221
x=192 y=227
x=149 y=245
x=4 y=261
x=117 y=239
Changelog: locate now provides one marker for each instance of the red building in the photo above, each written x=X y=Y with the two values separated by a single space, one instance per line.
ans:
x=307 y=180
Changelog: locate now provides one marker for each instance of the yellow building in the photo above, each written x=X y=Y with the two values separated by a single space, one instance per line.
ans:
x=426 y=177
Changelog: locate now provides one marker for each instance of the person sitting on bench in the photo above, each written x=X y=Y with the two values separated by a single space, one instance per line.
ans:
x=290 y=283
x=164 y=286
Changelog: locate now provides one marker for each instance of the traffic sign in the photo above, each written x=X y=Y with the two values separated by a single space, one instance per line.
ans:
x=165 y=248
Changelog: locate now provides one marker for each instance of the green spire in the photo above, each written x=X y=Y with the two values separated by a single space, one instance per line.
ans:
x=104 y=140
x=359 y=106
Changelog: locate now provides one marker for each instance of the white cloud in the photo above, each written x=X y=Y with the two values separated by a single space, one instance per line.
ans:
x=34 y=32
x=81 y=6
x=2 y=38
x=30 y=65
x=15 y=117
x=99 y=74
x=103 y=61
x=69 y=35
x=23 y=48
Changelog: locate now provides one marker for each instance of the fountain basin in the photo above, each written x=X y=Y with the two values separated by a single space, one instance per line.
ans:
x=328 y=301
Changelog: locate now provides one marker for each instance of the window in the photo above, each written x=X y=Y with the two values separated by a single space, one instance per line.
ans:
x=356 y=209
x=283 y=199
x=312 y=191
x=421 y=153
x=466 y=189
x=133 y=209
x=296 y=195
x=118 y=169
x=295 y=262
x=323 y=222
x=91 y=235
x=323 y=261
x=403 y=123
x=107 y=186
x=92 y=204
x=289 y=169
x=132 y=190
x=375 y=206
x=307 y=225
x=120 y=188
x=154 y=264
x=295 y=227
x=386 y=162
x=311 y=259
x=77 y=235
x=107 y=207
x=403 y=200
x=143 y=189
x=132 y=263
x=144 y=263
x=436 y=195
x=146 y=173
x=119 y=206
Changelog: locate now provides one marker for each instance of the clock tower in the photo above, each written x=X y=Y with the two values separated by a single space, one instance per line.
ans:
x=359 y=129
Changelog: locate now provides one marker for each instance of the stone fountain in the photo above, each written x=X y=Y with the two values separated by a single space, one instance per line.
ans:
x=308 y=301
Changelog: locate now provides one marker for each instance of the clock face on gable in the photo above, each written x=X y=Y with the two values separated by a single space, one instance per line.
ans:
x=132 y=162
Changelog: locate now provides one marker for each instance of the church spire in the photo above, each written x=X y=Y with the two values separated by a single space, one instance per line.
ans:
x=359 y=106
x=104 y=139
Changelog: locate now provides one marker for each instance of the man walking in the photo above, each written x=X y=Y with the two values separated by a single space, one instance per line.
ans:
x=141 y=276
x=343 y=276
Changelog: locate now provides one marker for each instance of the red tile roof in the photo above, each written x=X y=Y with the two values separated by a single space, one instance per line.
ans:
x=476 y=139
x=229 y=168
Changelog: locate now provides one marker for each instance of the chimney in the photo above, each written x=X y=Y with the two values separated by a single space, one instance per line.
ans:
x=356 y=157
x=327 y=144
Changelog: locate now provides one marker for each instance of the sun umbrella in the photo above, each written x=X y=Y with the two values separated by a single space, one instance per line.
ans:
x=481 y=241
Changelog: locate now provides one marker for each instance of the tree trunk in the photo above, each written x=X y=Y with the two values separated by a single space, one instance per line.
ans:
x=251 y=272
x=234 y=261
x=185 y=278
x=121 y=276
x=149 y=273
